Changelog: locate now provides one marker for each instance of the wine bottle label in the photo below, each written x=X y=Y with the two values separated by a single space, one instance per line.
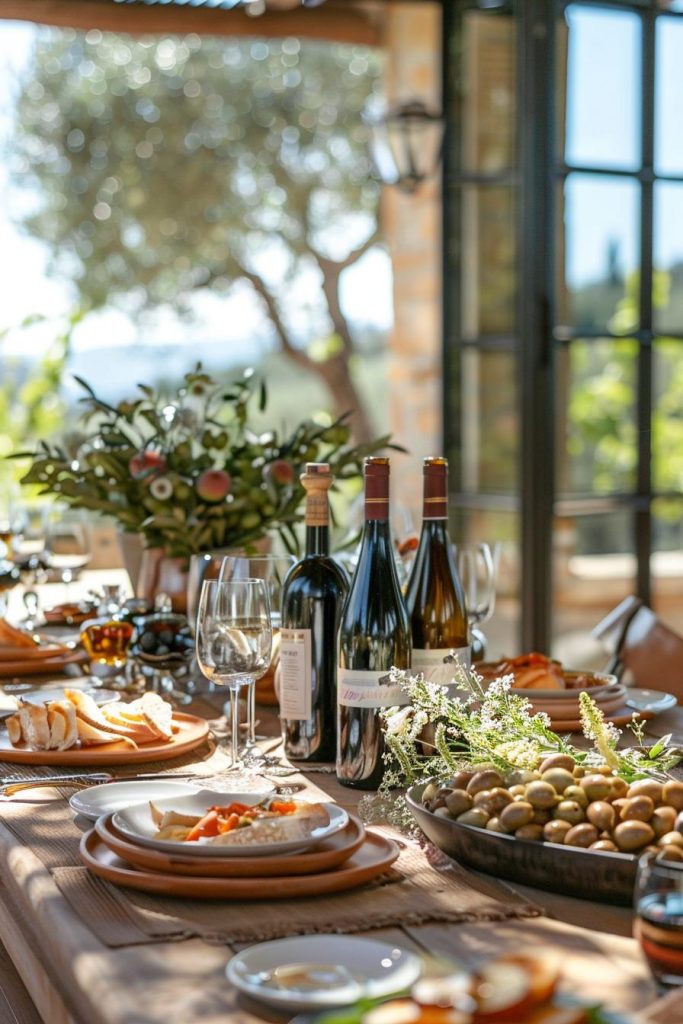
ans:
x=364 y=689
x=296 y=678
x=441 y=664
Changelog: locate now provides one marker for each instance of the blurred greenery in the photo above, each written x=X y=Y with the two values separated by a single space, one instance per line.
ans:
x=162 y=167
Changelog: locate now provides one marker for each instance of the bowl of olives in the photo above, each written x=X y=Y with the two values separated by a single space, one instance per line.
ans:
x=163 y=638
x=564 y=827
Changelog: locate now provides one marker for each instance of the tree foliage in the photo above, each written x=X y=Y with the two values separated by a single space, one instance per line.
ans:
x=165 y=166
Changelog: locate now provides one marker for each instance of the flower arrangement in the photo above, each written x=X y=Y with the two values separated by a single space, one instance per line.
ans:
x=186 y=471
x=490 y=724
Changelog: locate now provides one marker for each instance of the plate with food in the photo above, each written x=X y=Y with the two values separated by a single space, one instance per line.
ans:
x=70 y=613
x=538 y=676
x=74 y=731
x=518 y=988
x=225 y=824
x=24 y=654
x=9 y=702
x=372 y=859
x=320 y=971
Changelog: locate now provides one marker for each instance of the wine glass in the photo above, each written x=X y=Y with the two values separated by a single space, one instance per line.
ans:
x=234 y=641
x=272 y=569
x=659 y=917
x=478 y=570
x=67 y=543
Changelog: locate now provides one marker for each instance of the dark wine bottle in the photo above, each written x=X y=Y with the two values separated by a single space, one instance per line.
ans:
x=374 y=636
x=312 y=600
x=434 y=596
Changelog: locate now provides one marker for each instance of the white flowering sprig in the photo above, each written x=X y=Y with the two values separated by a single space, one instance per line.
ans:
x=439 y=733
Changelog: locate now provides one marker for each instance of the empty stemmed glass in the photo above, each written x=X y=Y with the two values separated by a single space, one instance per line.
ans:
x=234 y=640
x=478 y=569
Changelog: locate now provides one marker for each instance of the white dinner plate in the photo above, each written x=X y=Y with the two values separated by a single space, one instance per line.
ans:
x=136 y=823
x=115 y=796
x=339 y=969
x=649 y=700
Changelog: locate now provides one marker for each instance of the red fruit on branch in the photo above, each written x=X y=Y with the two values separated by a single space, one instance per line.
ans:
x=146 y=463
x=213 y=485
x=280 y=472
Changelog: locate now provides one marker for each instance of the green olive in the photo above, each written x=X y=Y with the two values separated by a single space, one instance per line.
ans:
x=577 y=793
x=672 y=794
x=579 y=772
x=557 y=761
x=663 y=820
x=646 y=787
x=541 y=816
x=531 y=832
x=441 y=812
x=483 y=780
x=516 y=791
x=671 y=839
x=458 y=801
x=555 y=831
x=597 y=786
x=516 y=814
x=670 y=853
x=601 y=814
x=569 y=810
x=632 y=835
x=540 y=794
x=495 y=825
x=521 y=777
x=460 y=780
x=582 y=835
x=605 y=845
x=429 y=792
x=475 y=816
x=559 y=778
x=619 y=788
x=637 y=808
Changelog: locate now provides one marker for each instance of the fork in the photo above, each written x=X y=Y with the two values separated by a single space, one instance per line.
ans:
x=10 y=785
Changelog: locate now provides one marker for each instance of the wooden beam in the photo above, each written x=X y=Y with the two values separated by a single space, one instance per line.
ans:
x=333 y=22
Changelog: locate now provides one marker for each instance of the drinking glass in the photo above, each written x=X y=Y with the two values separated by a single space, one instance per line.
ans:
x=272 y=569
x=659 y=917
x=478 y=569
x=67 y=543
x=106 y=641
x=234 y=641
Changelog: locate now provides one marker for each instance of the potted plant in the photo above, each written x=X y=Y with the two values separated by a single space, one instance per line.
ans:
x=185 y=472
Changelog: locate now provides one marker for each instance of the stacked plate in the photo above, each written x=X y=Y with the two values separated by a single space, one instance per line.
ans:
x=564 y=709
x=123 y=848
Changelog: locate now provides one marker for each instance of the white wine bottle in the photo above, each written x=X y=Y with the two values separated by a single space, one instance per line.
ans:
x=374 y=636
x=434 y=596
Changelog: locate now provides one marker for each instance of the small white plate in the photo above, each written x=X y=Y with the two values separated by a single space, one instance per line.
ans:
x=136 y=824
x=649 y=700
x=115 y=796
x=349 y=968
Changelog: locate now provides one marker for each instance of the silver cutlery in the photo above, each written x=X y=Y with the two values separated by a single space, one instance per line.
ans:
x=13 y=784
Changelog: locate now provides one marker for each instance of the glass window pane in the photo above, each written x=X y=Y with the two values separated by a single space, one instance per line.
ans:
x=490 y=427
x=594 y=568
x=668 y=257
x=667 y=418
x=595 y=403
x=502 y=630
x=489 y=83
x=488 y=259
x=666 y=563
x=602 y=123
x=669 y=97
x=597 y=243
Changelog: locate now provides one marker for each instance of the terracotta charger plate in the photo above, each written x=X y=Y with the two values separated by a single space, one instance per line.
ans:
x=327 y=855
x=41 y=666
x=372 y=858
x=621 y=716
x=191 y=732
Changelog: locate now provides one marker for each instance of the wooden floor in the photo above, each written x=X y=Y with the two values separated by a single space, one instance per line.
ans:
x=16 y=1006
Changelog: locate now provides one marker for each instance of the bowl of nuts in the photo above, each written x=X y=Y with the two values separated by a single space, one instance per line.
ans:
x=565 y=827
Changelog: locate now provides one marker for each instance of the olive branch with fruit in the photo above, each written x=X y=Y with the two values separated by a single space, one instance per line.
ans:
x=186 y=471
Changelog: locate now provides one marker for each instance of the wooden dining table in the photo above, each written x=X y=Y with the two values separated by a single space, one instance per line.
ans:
x=73 y=978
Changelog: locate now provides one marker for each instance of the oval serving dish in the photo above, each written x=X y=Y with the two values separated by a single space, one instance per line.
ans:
x=569 y=870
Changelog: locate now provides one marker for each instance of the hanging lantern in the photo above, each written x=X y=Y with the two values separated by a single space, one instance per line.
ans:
x=406 y=143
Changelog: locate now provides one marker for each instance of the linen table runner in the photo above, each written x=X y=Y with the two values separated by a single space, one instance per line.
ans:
x=422 y=886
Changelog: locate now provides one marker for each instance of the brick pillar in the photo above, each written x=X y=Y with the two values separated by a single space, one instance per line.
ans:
x=412 y=228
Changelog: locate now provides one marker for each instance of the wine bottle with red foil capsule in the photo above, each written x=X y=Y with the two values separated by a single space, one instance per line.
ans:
x=434 y=596
x=312 y=600
x=374 y=636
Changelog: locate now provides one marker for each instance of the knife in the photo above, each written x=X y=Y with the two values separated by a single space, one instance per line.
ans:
x=12 y=784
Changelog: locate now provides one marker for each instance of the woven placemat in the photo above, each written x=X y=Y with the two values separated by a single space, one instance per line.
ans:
x=422 y=886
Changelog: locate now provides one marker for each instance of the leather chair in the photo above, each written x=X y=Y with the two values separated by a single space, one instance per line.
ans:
x=644 y=651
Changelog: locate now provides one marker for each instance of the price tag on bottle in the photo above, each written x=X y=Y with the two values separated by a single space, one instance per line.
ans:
x=296 y=679
x=366 y=689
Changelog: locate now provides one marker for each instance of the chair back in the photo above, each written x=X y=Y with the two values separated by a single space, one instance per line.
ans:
x=645 y=651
